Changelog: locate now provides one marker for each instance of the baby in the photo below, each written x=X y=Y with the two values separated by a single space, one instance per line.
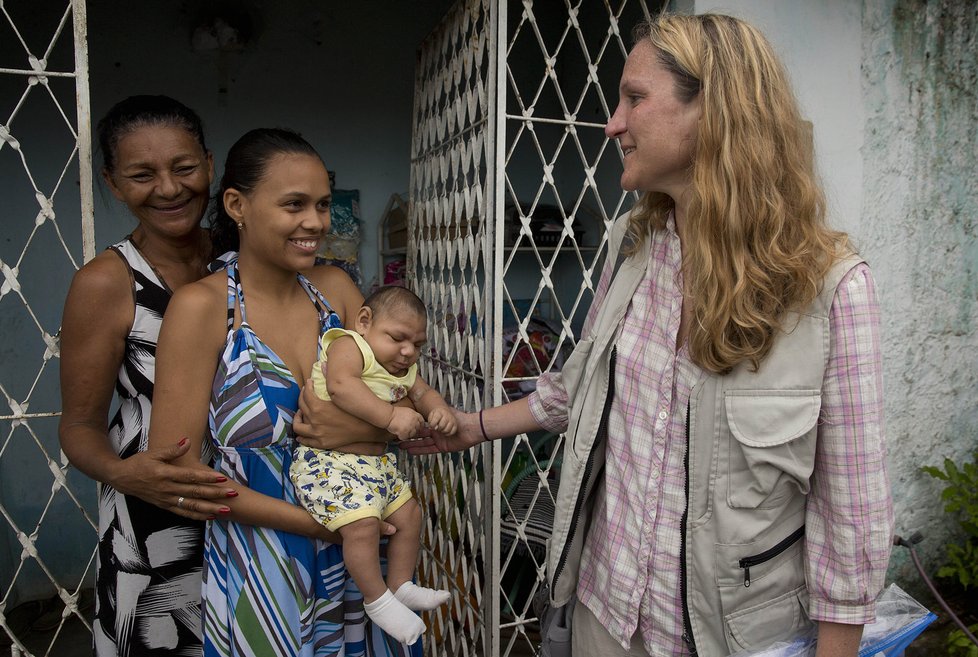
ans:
x=352 y=488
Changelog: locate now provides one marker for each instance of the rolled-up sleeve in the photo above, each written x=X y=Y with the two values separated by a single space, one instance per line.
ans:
x=849 y=520
x=548 y=403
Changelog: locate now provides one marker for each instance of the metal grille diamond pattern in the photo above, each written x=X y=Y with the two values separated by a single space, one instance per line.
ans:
x=449 y=254
x=514 y=187
x=44 y=80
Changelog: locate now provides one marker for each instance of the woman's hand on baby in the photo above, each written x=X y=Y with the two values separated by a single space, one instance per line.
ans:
x=405 y=423
x=192 y=492
x=323 y=425
x=310 y=423
x=441 y=420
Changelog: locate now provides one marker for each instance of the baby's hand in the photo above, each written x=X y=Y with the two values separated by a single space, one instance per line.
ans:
x=443 y=421
x=405 y=423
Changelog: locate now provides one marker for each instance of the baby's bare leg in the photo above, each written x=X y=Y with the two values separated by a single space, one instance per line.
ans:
x=402 y=547
x=361 y=554
x=402 y=558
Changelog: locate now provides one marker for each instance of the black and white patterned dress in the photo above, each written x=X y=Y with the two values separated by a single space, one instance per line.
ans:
x=149 y=560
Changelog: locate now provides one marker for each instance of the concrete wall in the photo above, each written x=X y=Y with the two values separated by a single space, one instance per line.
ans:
x=920 y=78
x=890 y=86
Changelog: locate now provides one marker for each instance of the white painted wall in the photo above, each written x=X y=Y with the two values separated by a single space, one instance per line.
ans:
x=820 y=45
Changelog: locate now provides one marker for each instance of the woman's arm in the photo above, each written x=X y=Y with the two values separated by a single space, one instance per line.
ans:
x=97 y=319
x=838 y=640
x=503 y=421
x=339 y=290
x=544 y=408
x=191 y=339
x=849 y=515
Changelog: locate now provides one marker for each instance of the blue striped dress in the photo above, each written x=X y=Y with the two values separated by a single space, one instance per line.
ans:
x=268 y=592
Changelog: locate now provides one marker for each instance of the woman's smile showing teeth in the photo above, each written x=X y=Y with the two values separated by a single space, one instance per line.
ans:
x=306 y=244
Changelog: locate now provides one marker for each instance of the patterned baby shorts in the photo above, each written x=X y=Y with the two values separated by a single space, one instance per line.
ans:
x=339 y=488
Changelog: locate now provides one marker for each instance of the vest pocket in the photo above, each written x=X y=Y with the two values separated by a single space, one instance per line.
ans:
x=771 y=449
x=755 y=560
x=779 y=619
x=775 y=604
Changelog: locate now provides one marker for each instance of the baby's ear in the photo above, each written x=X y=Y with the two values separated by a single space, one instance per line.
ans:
x=364 y=316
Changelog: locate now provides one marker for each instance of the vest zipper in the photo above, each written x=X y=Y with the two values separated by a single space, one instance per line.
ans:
x=687 y=625
x=770 y=553
x=579 y=504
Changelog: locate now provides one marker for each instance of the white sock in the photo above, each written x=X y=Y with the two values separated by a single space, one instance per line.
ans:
x=393 y=617
x=420 y=598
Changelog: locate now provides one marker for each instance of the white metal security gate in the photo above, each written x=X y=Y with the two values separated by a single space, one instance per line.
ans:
x=449 y=247
x=513 y=189
x=48 y=224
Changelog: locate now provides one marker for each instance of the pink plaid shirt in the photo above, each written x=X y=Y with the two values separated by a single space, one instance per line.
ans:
x=630 y=566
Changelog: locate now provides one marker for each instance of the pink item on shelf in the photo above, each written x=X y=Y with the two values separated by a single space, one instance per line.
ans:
x=394 y=273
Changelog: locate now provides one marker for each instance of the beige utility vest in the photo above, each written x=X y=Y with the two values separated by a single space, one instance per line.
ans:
x=750 y=459
x=751 y=455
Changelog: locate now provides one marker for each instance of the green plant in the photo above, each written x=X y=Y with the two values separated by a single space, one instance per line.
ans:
x=959 y=645
x=960 y=497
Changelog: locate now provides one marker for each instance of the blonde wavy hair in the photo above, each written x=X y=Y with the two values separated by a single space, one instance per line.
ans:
x=756 y=245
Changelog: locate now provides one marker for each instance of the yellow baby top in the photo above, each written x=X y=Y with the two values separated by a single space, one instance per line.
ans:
x=382 y=383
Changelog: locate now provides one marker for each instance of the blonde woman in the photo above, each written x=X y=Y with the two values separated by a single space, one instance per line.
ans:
x=723 y=481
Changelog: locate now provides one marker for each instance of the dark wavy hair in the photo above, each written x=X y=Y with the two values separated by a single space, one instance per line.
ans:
x=245 y=167
x=139 y=111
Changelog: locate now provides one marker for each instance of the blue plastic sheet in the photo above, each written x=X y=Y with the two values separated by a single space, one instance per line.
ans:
x=899 y=620
x=893 y=645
